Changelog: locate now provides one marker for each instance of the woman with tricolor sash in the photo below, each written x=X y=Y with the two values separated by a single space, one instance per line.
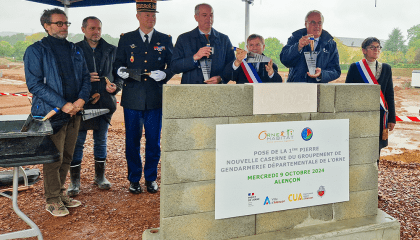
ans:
x=369 y=70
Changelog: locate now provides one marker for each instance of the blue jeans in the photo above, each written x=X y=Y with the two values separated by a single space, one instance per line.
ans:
x=134 y=121
x=99 y=143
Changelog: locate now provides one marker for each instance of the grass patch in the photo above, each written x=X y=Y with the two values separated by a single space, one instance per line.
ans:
x=402 y=72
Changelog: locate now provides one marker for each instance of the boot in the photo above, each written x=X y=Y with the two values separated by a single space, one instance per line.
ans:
x=100 y=179
x=74 y=187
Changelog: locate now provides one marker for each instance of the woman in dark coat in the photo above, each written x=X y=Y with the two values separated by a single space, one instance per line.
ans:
x=359 y=73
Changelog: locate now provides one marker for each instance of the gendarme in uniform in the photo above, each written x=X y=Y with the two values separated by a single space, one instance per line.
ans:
x=148 y=52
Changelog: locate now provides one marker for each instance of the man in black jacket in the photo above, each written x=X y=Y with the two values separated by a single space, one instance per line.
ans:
x=99 y=56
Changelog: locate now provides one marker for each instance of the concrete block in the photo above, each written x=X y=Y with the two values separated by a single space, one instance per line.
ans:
x=188 y=166
x=322 y=212
x=270 y=118
x=363 y=177
x=364 y=150
x=379 y=226
x=204 y=226
x=326 y=98
x=192 y=100
x=186 y=198
x=361 y=204
x=362 y=124
x=357 y=97
x=277 y=98
x=281 y=220
x=187 y=134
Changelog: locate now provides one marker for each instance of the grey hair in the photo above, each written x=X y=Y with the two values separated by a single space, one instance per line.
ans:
x=314 y=11
x=197 y=8
x=84 y=23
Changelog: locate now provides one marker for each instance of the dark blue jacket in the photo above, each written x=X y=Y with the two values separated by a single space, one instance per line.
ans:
x=44 y=81
x=189 y=43
x=133 y=54
x=327 y=59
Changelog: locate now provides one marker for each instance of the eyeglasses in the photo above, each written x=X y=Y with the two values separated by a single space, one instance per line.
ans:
x=60 y=23
x=313 y=23
x=373 y=48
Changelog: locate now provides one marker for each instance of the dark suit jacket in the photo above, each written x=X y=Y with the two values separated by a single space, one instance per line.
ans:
x=387 y=88
x=133 y=54
x=189 y=43
x=238 y=75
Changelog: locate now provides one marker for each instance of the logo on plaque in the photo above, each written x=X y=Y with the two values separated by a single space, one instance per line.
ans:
x=321 y=191
x=307 y=134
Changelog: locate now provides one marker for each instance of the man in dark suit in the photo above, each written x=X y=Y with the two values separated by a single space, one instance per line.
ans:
x=202 y=50
x=267 y=71
x=148 y=52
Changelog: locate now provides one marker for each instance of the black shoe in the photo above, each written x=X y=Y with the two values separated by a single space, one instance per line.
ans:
x=135 y=188
x=152 y=187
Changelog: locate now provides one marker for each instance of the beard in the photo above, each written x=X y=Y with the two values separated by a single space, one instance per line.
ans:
x=59 y=35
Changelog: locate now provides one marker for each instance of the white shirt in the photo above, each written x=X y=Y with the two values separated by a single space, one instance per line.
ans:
x=142 y=34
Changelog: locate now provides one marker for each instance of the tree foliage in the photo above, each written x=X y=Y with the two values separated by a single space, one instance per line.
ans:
x=20 y=48
x=35 y=37
x=395 y=42
x=13 y=39
x=413 y=35
x=343 y=52
x=6 y=49
x=272 y=50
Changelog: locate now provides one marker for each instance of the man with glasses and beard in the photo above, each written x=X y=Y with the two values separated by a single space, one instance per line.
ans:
x=57 y=76
x=293 y=54
x=99 y=56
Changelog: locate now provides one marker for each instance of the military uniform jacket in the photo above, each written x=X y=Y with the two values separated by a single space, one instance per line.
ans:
x=133 y=54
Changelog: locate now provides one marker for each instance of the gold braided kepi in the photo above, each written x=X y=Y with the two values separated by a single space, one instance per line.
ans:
x=146 y=5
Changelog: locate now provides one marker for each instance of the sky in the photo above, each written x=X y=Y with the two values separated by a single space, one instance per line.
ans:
x=269 y=18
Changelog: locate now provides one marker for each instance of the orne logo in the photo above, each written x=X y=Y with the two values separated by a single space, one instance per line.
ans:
x=276 y=136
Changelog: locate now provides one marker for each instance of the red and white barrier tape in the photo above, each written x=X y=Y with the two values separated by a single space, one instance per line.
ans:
x=407 y=119
x=14 y=94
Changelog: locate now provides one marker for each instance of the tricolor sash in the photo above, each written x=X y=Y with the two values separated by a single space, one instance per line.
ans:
x=250 y=72
x=369 y=78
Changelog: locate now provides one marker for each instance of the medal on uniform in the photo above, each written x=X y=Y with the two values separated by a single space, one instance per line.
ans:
x=132 y=58
x=133 y=45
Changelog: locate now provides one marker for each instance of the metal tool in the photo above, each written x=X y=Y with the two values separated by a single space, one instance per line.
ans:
x=135 y=73
x=92 y=113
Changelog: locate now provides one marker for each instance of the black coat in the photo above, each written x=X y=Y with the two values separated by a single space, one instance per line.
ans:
x=238 y=75
x=387 y=88
x=134 y=54
x=104 y=55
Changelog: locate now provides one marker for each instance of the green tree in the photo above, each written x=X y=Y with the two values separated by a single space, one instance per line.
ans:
x=6 y=49
x=357 y=56
x=343 y=52
x=395 y=41
x=35 y=37
x=413 y=35
x=20 y=48
x=14 y=38
x=272 y=50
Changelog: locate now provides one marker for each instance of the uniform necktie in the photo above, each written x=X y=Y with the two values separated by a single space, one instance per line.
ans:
x=207 y=37
x=146 y=41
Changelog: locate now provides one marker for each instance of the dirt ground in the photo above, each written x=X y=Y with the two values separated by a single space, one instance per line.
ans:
x=117 y=214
